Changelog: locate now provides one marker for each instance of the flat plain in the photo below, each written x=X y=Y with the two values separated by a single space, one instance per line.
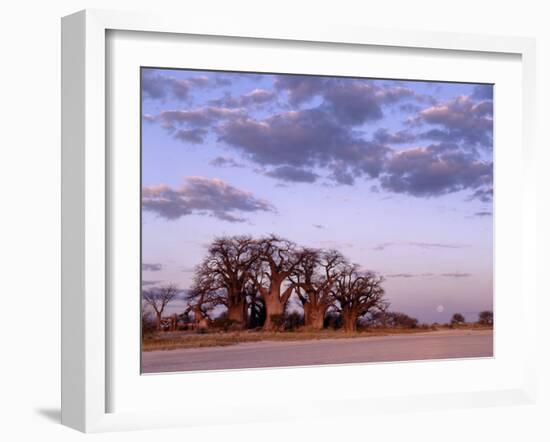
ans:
x=445 y=344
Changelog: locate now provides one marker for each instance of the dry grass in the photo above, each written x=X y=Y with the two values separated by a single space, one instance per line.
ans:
x=187 y=339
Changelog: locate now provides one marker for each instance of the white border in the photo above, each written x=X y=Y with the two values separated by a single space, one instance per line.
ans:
x=84 y=201
x=129 y=391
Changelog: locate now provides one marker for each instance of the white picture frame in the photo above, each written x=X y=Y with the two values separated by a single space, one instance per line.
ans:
x=86 y=209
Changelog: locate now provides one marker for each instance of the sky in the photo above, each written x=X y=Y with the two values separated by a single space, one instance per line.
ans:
x=397 y=175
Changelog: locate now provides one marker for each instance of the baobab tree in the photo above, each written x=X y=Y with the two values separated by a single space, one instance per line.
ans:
x=356 y=293
x=278 y=258
x=158 y=298
x=221 y=277
x=313 y=280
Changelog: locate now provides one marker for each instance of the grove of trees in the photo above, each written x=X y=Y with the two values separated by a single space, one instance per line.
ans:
x=254 y=279
x=245 y=282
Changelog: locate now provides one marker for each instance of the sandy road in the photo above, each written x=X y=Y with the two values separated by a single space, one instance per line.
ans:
x=433 y=345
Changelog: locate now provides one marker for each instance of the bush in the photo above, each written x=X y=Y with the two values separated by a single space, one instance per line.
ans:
x=333 y=320
x=148 y=324
x=457 y=319
x=222 y=322
x=486 y=317
x=277 y=320
x=397 y=319
x=293 y=321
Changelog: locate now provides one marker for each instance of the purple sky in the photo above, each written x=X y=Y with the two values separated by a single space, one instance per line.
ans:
x=397 y=175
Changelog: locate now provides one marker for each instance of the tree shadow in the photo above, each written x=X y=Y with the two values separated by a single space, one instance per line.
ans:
x=51 y=414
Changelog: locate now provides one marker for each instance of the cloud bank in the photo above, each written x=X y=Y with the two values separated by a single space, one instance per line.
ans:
x=200 y=195
x=319 y=131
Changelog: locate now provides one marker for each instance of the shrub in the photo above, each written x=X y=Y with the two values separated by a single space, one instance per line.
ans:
x=333 y=320
x=486 y=317
x=222 y=322
x=397 y=319
x=277 y=320
x=293 y=321
x=457 y=319
x=147 y=323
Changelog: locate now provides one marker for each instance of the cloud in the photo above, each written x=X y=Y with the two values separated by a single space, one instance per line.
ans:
x=351 y=101
x=483 y=92
x=300 y=88
x=202 y=196
x=225 y=162
x=456 y=275
x=292 y=174
x=145 y=283
x=435 y=170
x=360 y=101
x=483 y=214
x=328 y=140
x=158 y=86
x=318 y=226
x=459 y=120
x=485 y=195
x=418 y=275
x=200 y=117
x=410 y=107
x=332 y=244
x=385 y=137
x=409 y=275
x=195 y=135
x=151 y=267
x=305 y=139
x=255 y=97
x=421 y=245
x=222 y=79
x=354 y=103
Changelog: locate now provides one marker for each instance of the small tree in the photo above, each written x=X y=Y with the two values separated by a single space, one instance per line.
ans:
x=457 y=319
x=486 y=317
x=158 y=299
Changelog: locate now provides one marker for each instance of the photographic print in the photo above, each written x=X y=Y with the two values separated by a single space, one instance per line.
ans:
x=298 y=220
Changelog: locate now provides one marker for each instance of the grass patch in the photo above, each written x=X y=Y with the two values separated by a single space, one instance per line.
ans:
x=190 y=339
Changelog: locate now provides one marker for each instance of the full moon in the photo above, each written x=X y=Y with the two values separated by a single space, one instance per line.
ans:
x=440 y=308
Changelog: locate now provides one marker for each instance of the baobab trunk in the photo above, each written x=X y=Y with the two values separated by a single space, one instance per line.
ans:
x=199 y=318
x=350 y=320
x=314 y=316
x=273 y=307
x=158 y=320
x=236 y=313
